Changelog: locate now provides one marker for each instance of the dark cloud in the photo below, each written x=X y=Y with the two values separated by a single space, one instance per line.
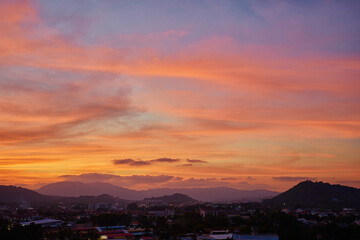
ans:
x=130 y=162
x=186 y=165
x=250 y=178
x=196 y=161
x=292 y=179
x=123 y=161
x=165 y=160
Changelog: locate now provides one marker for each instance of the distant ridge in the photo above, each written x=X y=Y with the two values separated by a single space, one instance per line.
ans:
x=17 y=195
x=75 y=189
x=310 y=194
x=176 y=198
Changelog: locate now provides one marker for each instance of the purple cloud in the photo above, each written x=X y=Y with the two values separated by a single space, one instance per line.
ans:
x=130 y=162
x=165 y=160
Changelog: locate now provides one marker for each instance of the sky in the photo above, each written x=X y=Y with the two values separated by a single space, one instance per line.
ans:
x=147 y=94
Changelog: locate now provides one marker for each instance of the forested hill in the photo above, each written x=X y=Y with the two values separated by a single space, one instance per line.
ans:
x=12 y=194
x=318 y=195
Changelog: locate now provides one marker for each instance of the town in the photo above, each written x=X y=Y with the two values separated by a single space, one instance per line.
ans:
x=154 y=219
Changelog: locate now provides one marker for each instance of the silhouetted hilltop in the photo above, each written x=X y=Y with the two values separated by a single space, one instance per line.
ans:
x=176 y=198
x=12 y=194
x=318 y=195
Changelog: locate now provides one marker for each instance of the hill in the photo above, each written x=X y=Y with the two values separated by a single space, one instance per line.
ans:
x=76 y=189
x=310 y=194
x=12 y=194
x=176 y=198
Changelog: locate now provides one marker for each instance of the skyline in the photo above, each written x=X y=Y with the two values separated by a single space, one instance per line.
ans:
x=146 y=94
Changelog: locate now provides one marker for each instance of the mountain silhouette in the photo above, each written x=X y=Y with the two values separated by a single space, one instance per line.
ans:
x=310 y=194
x=13 y=194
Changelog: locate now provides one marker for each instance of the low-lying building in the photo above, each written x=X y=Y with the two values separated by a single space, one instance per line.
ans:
x=47 y=222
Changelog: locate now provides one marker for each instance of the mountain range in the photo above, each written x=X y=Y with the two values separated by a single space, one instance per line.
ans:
x=75 y=189
x=310 y=194
x=306 y=194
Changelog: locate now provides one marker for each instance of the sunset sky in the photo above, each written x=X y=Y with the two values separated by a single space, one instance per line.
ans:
x=146 y=94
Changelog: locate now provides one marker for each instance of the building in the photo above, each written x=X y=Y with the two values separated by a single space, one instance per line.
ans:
x=255 y=237
x=47 y=222
x=219 y=235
